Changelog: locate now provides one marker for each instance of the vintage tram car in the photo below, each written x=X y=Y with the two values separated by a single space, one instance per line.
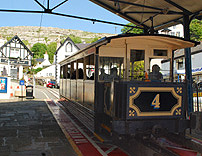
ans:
x=113 y=80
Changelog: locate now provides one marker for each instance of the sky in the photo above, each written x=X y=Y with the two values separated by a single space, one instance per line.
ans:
x=83 y=8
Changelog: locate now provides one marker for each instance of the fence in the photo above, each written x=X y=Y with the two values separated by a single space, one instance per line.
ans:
x=197 y=97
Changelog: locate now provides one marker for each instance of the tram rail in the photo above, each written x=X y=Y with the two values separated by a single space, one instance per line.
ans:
x=86 y=116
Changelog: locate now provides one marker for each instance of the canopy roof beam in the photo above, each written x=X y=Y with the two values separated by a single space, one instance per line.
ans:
x=153 y=12
x=134 y=4
x=187 y=12
x=59 y=5
x=70 y=16
x=40 y=4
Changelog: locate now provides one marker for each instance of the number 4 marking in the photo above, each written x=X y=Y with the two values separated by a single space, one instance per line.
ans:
x=156 y=102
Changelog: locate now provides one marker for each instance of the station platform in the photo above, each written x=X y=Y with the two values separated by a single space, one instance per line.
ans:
x=28 y=128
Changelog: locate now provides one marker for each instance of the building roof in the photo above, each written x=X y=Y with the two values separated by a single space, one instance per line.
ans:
x=164 y=13
x=180 y=53
x=39 y=60
x=68 y=38
x=82 y=45
x=17 y=38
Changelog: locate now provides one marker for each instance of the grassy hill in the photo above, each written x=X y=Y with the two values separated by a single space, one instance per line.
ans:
x=34 y=34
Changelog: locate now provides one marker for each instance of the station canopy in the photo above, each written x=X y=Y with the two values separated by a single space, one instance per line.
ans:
x=158 y=14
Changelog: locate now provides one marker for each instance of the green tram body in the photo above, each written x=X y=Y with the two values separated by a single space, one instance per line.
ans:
x=128 y=101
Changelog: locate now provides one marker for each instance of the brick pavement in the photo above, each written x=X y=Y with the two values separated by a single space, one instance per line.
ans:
x=27 y=128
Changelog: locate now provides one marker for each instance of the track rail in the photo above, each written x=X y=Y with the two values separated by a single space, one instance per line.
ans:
x=83 y=114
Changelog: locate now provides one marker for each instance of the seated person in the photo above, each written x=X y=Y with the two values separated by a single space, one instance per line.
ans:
x=155 y=75
x=103 y=75
x=113 y=74
x=80 y=71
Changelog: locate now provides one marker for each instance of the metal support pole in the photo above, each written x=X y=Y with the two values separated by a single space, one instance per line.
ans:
x=188 y=67
x=96 y=92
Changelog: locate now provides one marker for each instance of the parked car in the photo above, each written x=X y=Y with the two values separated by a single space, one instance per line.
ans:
x=51 y=84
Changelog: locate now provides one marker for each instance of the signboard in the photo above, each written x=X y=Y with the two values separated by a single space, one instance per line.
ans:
x=155 y=101
x=3 y=85
x=22 y=82
x=14 y=61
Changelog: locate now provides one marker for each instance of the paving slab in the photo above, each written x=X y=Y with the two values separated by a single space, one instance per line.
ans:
x=28 y=128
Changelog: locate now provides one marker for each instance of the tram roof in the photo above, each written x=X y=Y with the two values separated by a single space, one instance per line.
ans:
x=177 y=42
x=165 y=13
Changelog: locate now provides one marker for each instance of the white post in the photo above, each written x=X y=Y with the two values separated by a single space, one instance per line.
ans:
x=33 y=86
x=9 y=72
x=20 y=72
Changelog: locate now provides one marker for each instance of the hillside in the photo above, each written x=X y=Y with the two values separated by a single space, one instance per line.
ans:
x=34 y=34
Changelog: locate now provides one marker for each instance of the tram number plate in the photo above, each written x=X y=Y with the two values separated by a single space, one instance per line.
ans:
x=155 y=101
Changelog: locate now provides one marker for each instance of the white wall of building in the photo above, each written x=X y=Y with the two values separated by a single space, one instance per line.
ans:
x=176 y=30
x=65 y=50
x=47 y=72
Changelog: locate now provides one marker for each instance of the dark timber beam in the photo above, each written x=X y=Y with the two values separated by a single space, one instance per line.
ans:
x=65 y=15
x=40 y=4
x=139 y=5
x=120 y=13
x=187 y=12
x=59 y=5
x=153 y=12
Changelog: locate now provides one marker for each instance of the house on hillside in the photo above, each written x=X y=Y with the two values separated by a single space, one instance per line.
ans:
x=14 y=57
x=49 y=69
x=43 y=62
x=67 y=48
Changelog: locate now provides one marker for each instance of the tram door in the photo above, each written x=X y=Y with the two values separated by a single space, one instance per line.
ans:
x=136 y=64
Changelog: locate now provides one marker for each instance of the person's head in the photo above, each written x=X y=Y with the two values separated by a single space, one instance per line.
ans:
x=155 y=68
x=115 y=70
x=102 y=70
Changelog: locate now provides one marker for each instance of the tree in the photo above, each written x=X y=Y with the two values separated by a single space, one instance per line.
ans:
x=134 y=30
x=95 y=39
x=75 y=39
x=39 y=49
x=51 y=49
x=26 y=42
x=46 y=39
x=8 y=38
x=196 y=30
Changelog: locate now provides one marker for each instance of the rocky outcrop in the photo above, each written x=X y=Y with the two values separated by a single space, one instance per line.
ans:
x=34 y=34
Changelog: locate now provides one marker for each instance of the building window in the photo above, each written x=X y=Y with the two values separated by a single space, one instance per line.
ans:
x=68 y=47
x=178 y=34
x=172 y=33
x=179 y=64
x=160 y=52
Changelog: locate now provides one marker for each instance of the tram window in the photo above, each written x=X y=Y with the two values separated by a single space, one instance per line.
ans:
x=90 y=67
x=80 y=69
x=73 y=70
x=68 y=71
x=111 y=68
x=158 y=71
x=137 y=64
x=61 y=72
x=160 y=52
